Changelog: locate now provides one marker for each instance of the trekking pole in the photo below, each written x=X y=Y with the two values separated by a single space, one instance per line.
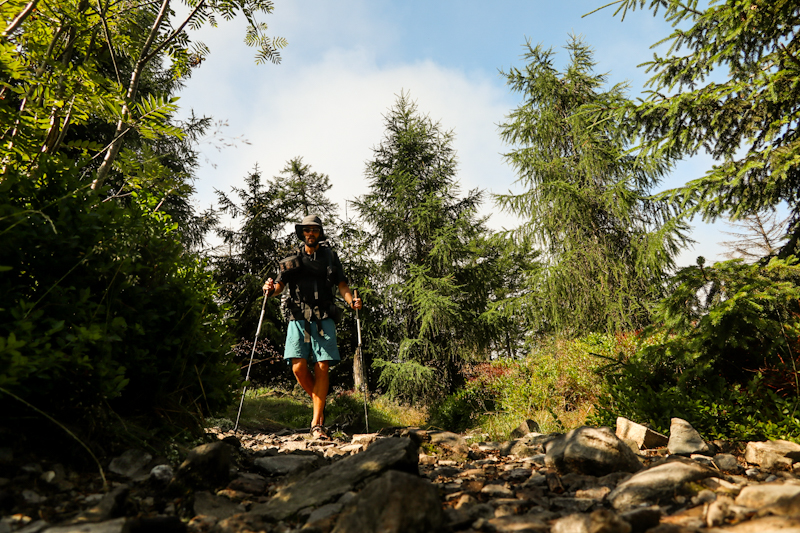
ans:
x=361 y=366
x=252 y=353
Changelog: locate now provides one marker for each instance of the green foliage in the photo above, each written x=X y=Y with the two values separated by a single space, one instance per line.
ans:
x=105 y=308
x=432 y=276
x=728 y=84
x=556 y=385
x=606 y=245
x=723 y=354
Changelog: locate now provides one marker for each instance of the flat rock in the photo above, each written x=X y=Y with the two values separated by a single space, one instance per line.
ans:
x=762 y=525
x=642 y=436
x=597 y=521
x=396 y=502
x=281 y=465
x=449 y=444
x=657 y=483
x=757 y=496
x=772 y=454
x=324 y=485
x=593 y=451
x=220 y=508
x=685 y=440
x=525 y=523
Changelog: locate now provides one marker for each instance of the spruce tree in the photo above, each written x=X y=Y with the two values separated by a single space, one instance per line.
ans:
x=422 y=234
x=729 y=84
x=606 y=248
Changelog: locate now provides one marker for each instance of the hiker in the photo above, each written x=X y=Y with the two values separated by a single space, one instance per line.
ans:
x=311 y=276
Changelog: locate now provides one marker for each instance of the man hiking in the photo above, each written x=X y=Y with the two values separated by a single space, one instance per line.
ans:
x=311 y=275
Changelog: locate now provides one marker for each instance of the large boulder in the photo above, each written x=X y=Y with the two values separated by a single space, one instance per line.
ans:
x=328 y=483
x=396 y=502
x=593 y=451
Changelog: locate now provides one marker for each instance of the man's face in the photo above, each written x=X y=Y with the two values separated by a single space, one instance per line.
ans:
x=311 y=234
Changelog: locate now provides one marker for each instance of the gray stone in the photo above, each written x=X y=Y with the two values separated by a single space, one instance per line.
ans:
x=450 y=444
x=588 y=450
x=207 y=465
x=108 y=507
x=131 y=464
x=728 y=463
x=110 y=526
x=328 y=483
x=161 y=474
x=220 y=508
x=772 y=454
x=658 y=483
x=326 y=511
x=521 y=448
x=642 y=436
x=685 y=440
x=497 y=491
x=757 y=496
x=597 y=521
x=529 y=426
x=32 y=497
x=282 y=465
x=395 y=502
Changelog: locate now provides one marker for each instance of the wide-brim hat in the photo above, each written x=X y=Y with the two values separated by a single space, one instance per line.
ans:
x=310 y=220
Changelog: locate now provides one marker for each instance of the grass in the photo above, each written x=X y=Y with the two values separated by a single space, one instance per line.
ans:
x=269 y=409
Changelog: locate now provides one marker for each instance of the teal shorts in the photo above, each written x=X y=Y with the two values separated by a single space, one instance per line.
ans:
x=319 y=349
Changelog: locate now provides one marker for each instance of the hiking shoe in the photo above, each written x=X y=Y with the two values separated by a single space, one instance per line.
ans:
x=318 y=432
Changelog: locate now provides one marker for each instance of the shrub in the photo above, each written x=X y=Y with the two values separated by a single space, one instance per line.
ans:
x=723 y=356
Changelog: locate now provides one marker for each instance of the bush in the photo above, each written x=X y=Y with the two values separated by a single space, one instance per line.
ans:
x=723 y=356
x=103 y=310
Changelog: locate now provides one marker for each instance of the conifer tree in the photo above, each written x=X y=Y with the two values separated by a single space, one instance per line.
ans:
x=606 y=247
x=423 y=232
x=730 y=85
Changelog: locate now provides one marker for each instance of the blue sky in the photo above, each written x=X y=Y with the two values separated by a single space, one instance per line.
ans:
x=346 y=61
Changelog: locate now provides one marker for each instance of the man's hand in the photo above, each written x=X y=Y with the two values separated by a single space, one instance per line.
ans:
x=269 y=286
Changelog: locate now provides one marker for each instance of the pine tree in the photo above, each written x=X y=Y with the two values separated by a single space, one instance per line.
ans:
x=423 y=236
x=733 y=91
x=606 y=247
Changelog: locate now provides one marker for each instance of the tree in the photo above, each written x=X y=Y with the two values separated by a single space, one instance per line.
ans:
x=758 y=236
x=423 y=238
x=606 y=246
x=732 y=92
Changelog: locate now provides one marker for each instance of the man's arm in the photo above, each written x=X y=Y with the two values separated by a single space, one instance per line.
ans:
x=347 y=294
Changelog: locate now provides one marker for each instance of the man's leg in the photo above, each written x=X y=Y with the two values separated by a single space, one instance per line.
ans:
x=303 y=375
x=319 y=393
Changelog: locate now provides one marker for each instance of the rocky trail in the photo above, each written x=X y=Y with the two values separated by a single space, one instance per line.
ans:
x=590 y=480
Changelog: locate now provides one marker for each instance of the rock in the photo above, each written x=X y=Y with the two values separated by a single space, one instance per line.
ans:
x=282 y=465
x=395 y=502
x=161 y=474
x=772 y=454
x=324 y=512
x=110 y=526
x=594 y=451
x=727 y=463
x=762 y=525
x=207 y=465
x=220 y=508
x=642 y=436
x=642 y=519
x=107 y=508
x=658 y=483
x=529 y=426
x=526 y=523
x=250 y=483
x=497 y=491
x=757 y=496
x=330 y=482
x=449 y=445
x=600 y=520
x=131 y=464
x=685 y=440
